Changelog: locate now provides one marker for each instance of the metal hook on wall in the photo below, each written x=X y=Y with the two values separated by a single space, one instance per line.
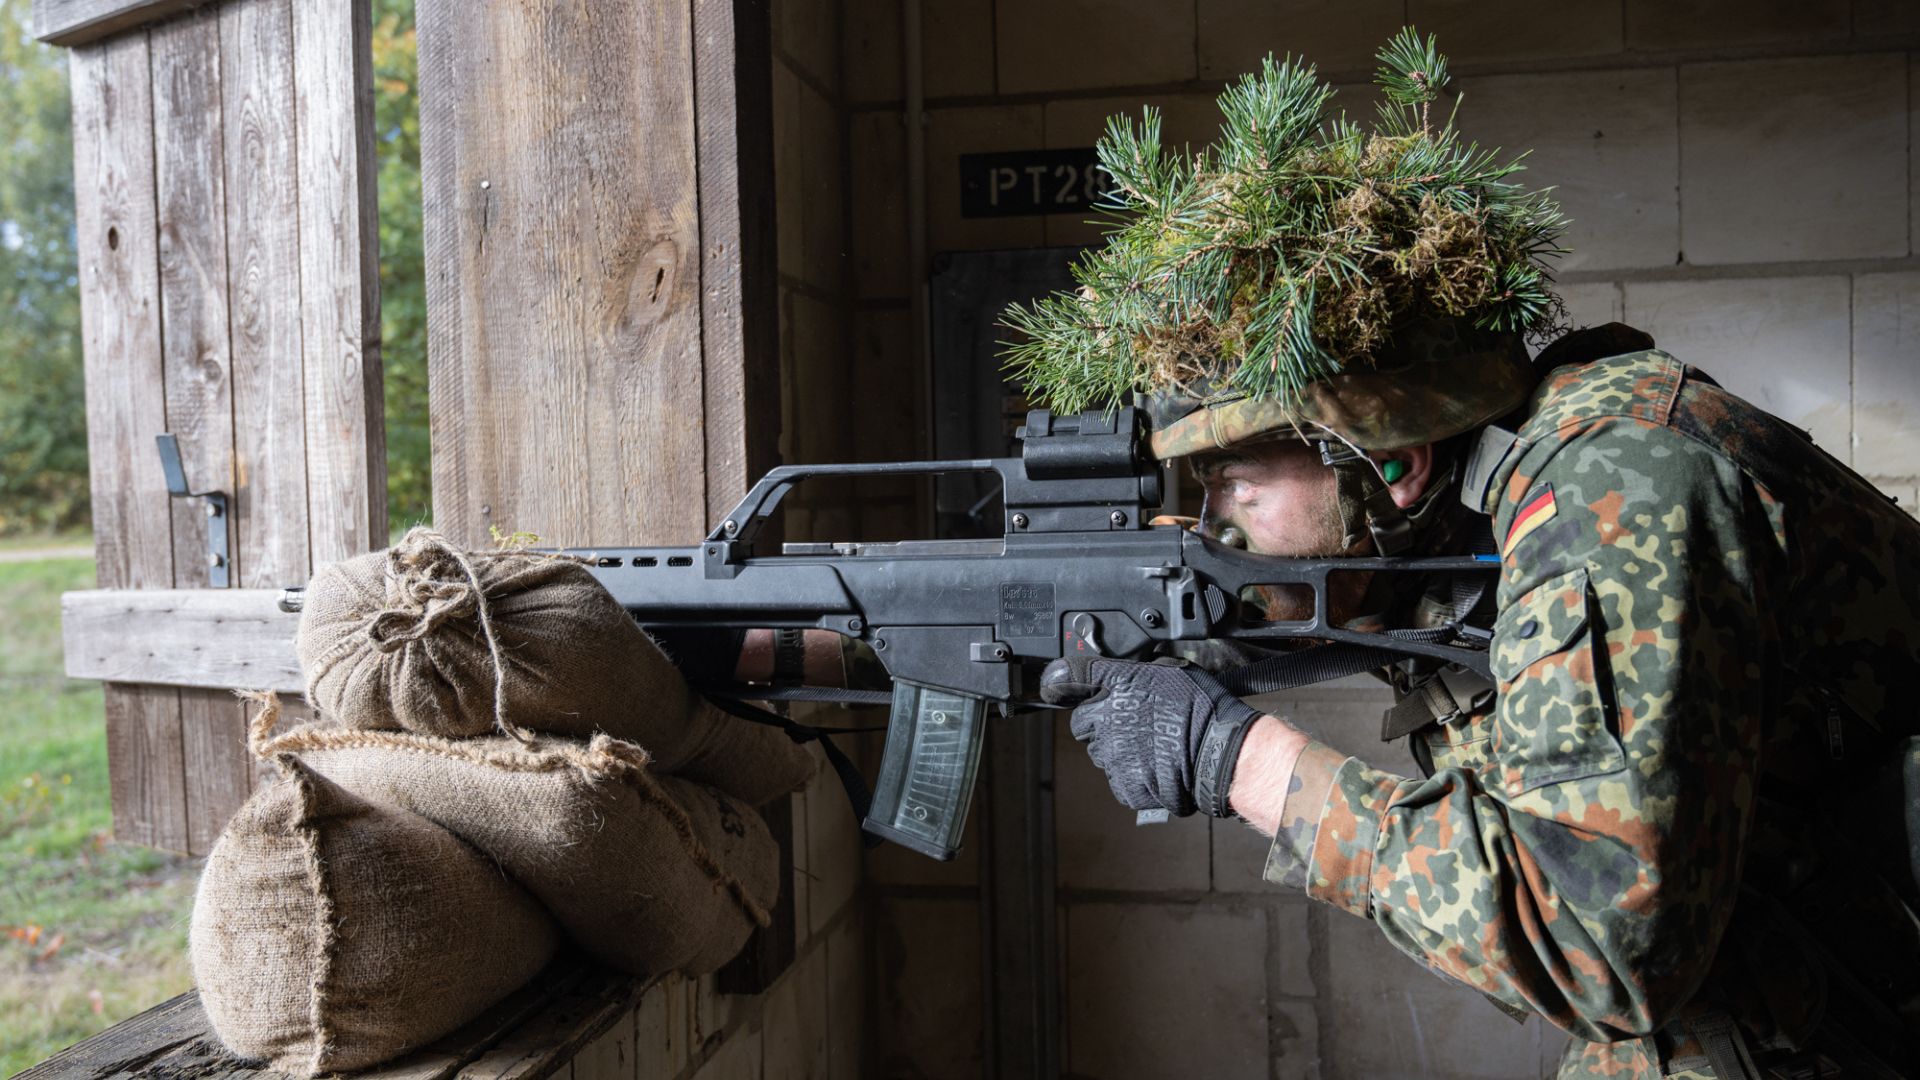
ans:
x=216 y=508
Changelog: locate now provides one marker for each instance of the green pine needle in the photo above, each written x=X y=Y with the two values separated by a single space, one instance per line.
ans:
x=1293 y=247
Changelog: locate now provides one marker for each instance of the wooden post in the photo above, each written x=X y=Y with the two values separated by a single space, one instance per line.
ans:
x=599 y=286
x=602 y=333
x=229 y=294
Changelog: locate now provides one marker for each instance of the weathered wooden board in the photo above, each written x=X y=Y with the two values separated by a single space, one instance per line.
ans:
x=219 y=638
x=263 y=293
x=117 y=240
x=339 y=279
x=739 y=321
x=76 y=22
x=230 y=295
x=563 y=236
x=533 y=1033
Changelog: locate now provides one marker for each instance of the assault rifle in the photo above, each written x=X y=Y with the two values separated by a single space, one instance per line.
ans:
x=959 y=624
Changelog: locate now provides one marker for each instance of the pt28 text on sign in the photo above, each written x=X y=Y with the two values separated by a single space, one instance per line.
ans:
x=1019 y=182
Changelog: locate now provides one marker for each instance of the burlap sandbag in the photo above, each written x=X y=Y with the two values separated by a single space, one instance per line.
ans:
x=426 y=638
x=647 y=873
x=331 y=934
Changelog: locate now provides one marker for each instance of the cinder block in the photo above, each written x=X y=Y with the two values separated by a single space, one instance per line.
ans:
x=660 y=1043
x=871 y=39
x=928 y=985
x=953 y=132
x=1606 y=142
x=1593 y=304
x=1885 y=18
x=610 y=1056
x=1337 y=36
x=1294 y=1036
x=847 y=980
x=805 y=31
x=1886 y=375
x=1713 y=24
x=1472 y=31
x=1793 y=159
x=956 y=54
x=1778 y=342
x=879 y=225
x=793 y=1021
x=1239 y=856
x=1122 y=1021
x=886 y=379
x=789 y=185
x=1290 y=923
x=1389 y=1016
x=1187 y=123
x=823 y=218
x=709 y=1013
x=1110 y=44
x=801 y=883
x=1099 y=845
x=739 y=1058
x=833 y=841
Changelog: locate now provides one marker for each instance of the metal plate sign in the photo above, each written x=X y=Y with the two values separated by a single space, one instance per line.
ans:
x=1026 y=609
x=1020 y=182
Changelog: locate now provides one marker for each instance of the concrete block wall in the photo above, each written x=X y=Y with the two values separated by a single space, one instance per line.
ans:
x=1741 y=180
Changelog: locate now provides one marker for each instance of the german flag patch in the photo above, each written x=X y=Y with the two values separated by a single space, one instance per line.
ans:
x=1537 y=512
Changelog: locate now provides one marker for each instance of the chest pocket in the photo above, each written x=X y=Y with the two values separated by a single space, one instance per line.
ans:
x=1552 y=723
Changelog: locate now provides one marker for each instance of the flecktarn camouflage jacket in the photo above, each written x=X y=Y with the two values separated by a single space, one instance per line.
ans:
x=1687 y=800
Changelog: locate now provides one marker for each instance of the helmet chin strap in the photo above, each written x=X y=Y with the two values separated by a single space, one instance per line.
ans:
x=1366 y=503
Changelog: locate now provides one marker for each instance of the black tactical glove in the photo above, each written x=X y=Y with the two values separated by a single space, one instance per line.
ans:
x=1167 y=734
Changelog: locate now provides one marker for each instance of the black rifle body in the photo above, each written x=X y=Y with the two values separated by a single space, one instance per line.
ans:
x=959 y=624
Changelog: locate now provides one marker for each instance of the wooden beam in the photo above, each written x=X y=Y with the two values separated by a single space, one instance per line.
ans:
x=216 y=638
x=339 y=278
x=739 y=315
x=564 y=270
x=77 y=22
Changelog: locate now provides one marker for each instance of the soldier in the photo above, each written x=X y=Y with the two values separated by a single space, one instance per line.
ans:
x=1678 y=823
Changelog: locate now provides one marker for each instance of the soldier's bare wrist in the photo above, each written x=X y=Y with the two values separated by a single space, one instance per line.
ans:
x=1263 y=771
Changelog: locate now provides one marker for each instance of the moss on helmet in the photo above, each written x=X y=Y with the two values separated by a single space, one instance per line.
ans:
x=1292 y=250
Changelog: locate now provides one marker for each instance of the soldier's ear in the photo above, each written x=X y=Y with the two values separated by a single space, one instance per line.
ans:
x=1414 y=473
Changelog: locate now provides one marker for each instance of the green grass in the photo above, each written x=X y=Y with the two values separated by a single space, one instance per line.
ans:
x=91 y=931
x=35 y=541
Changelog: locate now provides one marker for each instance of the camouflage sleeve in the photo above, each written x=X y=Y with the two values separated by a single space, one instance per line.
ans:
x=1588 y=871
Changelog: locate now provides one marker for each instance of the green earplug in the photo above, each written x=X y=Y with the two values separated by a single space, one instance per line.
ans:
x=1393 y=470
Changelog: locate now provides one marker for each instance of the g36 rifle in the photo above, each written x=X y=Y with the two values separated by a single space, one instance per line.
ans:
x=960 y=624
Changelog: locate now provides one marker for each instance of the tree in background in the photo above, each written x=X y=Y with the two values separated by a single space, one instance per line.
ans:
x=403 y=297
x=43 y=414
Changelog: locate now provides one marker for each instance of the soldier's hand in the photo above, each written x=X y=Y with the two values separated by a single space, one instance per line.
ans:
x=1167 y=734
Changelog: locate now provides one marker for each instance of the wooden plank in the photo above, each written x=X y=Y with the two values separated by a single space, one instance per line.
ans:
x=536 y=1031
x=189 y=172
x=116 y=238
x=77 y=22
x=190 y=192
x=216 y=638
x=547 y=1043
x=128 y=1044
x=263 y=293
x=572 y=264
x=739 y=318
x=339 y=276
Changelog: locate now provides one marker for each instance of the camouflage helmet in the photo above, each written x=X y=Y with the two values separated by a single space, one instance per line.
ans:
x=1441 y=379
